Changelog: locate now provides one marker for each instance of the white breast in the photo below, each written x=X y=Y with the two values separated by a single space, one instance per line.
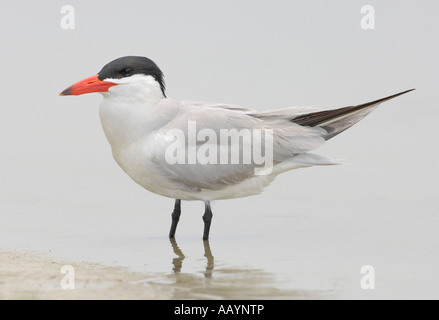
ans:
x=130 y=115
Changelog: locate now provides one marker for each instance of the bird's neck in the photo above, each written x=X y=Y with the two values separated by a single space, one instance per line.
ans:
x=126 y=117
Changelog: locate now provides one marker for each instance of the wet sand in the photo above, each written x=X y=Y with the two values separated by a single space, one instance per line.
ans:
x=26 y=275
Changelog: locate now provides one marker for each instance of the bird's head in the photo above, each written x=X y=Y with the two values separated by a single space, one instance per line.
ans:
x=126 y=76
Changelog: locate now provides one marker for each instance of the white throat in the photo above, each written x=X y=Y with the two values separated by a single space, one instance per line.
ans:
x=127 y=109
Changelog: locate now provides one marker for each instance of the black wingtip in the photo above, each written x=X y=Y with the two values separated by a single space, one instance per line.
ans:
x=401 y=93
x=317 y=118
x=379 y=101
x=387 y=98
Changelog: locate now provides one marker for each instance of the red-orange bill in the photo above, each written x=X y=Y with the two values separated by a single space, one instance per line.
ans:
x=88 y=85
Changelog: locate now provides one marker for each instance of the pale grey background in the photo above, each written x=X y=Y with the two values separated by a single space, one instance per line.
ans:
x=312 y=229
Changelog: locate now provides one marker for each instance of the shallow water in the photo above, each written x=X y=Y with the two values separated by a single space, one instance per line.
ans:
x=270 y=246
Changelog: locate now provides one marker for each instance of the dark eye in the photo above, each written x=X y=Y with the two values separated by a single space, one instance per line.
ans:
x=127 y=71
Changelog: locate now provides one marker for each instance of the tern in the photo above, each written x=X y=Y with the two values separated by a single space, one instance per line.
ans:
x=142 y=125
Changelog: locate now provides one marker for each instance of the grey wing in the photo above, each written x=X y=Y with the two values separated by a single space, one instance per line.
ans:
x=295 y=131
x=289 y=140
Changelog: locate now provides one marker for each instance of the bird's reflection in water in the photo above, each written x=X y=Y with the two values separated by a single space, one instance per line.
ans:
x=210 y=261
x=178 y=261
x=229 y=282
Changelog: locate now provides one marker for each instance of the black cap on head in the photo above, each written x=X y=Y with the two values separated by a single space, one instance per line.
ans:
x=130 y=65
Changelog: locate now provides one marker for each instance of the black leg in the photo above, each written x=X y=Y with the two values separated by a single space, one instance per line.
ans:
x=175 y=217
x=207 y=218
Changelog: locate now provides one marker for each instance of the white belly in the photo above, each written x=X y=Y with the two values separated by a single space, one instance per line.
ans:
x=134 y=160
x=136 y=163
